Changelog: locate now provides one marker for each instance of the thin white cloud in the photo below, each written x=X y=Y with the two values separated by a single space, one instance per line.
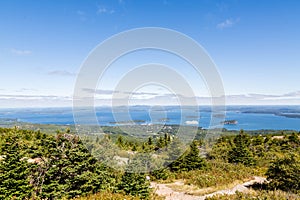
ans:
x=18 y=96
x=61 y=73
x=104 y=10
x=23 y=101
x=98 y=91
x=101 y=91
x=227 y=23
x=293 y=94
x=282 y=98
x=26 y=90
x=20 y=100
x=292 y=98
x=287 y=96
x=192 y=122
x=141 y=93
x=20 y=52
x=82 y=15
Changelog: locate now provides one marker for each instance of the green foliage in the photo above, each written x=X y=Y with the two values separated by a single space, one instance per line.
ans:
x=134 y=148
x=240 y=153
x=160 y=142
x=193 y=160
x=294 y=140
x=141 y=162
x=190 y=160
x=256 y=195
x=279 y=154
x=161 y=174
x=221 y=148
x=135 y=184
x=217 y=174
x=120 y=142
x=14 y=172
x=284 y=173
x=107 y=195
x=150 y=142
x=175 y=156
x=69 y=171
x=134 y=180
x=61 y=167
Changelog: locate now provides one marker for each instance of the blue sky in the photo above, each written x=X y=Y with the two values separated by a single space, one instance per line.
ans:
x=255 y=44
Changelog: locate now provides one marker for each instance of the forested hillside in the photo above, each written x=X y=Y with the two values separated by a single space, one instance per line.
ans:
x=34 y=165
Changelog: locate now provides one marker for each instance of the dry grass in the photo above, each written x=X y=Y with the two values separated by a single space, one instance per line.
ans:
x=105 y=195
x=219 y=175
x=179 y=186
x=257 y=195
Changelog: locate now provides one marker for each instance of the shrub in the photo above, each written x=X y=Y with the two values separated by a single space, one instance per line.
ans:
x=284 y=173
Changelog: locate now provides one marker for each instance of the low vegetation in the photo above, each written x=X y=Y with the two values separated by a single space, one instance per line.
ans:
x=257 y=195
x=34 y=165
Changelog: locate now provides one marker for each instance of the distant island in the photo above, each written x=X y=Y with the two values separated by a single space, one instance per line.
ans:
x=289 y=115
x=289 y=112
x=129 y=122
x=230 y=122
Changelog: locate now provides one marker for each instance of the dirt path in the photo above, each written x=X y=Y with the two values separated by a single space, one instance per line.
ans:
x=170 y=194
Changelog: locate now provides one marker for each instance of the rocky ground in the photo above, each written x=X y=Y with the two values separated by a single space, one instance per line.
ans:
x=170 y=194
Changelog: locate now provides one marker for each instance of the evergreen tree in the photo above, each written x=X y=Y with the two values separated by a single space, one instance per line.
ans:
x=175 y=155
x=221 y=148
x=284 y=173
x=161 y=174
x=294 y=140
x=150 y=142
x=135 y=184
x=62 y=167
x=240 y=153
x=120 y=141
x=166 y=139
x=14 y=172
x=69 y=171
x=134 y=180
x=193 y=160
x=134 y=148
x=160 y=142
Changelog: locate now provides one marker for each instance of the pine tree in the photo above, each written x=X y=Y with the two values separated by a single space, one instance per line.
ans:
x=193 y=160
x=14 y=172
x=240 y=153
x=120 y=141
x=166 y=139
x=294 y=140
x=175 y=151
x=160 y=142
x=135 y=184
x=70 y=170
x=134 y=180
x=65 y=168
x=284 y=173
x=150 y=142
x=134 y=148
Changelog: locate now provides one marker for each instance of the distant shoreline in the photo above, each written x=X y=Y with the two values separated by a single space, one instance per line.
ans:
x=288 y=115
x=245 y=117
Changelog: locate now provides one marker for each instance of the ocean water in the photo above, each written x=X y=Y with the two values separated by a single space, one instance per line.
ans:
x=248 y=117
